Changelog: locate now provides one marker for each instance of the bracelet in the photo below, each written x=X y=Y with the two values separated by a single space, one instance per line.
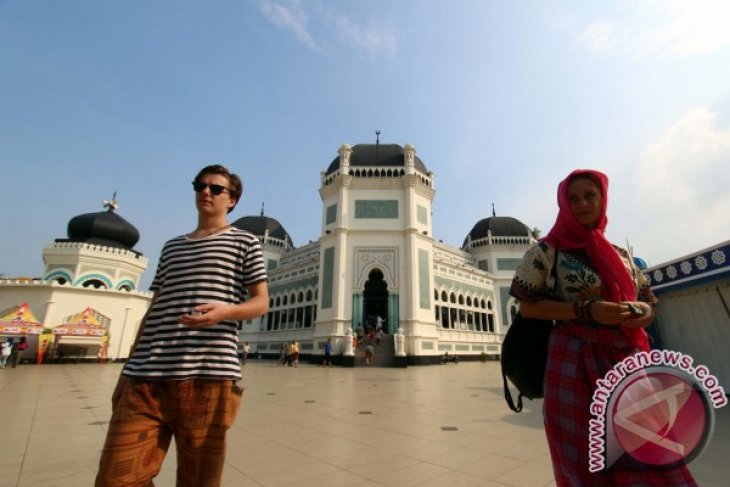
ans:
x=582 y=310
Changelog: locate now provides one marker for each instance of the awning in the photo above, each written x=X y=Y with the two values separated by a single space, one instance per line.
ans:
x=19 y=320
x=87 y=323
x=78 y=340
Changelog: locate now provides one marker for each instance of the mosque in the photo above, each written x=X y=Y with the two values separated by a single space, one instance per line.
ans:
x=376 y=262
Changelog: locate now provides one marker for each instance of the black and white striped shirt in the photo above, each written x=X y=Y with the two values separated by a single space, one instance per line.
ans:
x=191 y=272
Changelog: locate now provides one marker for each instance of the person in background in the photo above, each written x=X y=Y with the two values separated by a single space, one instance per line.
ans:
x=6 y=348
x=369 y=353
x=327 y=353
x=282 y=355
x=294 y=354
x=18 y=349
x=601 y=303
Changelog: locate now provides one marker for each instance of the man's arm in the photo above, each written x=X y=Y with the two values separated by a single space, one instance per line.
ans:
x=142 y=324
x=120 y=382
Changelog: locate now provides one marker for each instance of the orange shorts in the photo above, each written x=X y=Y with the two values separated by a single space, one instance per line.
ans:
x=147 y=414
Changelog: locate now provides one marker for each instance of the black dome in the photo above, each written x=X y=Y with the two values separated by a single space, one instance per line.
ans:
x=384 y=155
x=500 y=226
x=103 y=228
x=258 y=224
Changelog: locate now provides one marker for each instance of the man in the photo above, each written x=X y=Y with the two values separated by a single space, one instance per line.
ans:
x=294 y=354
x=378 y=323
x=246 y=351
x=327 y=353
x=181 y=377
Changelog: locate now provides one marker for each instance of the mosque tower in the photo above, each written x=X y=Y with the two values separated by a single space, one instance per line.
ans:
x=497 y=244
x=376 y=240
x=275 y=240
x=98 y=253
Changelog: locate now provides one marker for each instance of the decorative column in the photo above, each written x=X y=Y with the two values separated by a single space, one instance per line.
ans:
x=393 y=314
x=409 y=154
x=400 y=343
x=345 y=151
x=357 y=302
x=348 y=350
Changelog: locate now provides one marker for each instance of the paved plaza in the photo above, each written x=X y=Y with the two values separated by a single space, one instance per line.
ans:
x=441 y=425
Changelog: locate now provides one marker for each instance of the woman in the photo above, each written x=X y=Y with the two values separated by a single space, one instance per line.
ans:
x=601 y=303
x=18 y=349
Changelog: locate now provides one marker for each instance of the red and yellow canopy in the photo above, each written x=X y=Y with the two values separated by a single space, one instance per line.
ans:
x=20 y=320
x=88 y=322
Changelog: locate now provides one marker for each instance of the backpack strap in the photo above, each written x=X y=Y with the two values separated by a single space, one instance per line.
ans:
x=508 y=397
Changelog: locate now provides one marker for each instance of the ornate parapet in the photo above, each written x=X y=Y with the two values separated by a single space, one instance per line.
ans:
x=83 y=247
x=452 y=256
x=702 y=266
x=490 y=240
x=275 y=242
x=303 y=255
x=36 y=283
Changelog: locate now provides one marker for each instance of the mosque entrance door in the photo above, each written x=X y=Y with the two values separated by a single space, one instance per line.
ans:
x=375 y=300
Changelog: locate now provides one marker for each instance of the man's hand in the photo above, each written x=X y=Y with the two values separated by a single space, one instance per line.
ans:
x=207 y=314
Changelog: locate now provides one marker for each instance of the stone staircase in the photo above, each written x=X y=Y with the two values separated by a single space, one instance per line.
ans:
x=384 y=355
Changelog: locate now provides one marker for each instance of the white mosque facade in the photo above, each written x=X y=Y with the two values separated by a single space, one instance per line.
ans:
x=377 y=257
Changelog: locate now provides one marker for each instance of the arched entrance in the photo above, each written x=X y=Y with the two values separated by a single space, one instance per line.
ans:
x=375 y=299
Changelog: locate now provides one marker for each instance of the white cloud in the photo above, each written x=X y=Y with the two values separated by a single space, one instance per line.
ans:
x=376 y=38
x=290 y=17
x=693 y=27
x=665 y=28
x=678 y=199
x=598 y=36
x=373 y=39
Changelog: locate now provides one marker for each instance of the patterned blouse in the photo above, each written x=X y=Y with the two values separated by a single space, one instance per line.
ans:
x=574 y=277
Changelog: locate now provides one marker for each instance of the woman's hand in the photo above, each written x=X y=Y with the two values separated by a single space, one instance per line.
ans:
x=207 y=314
x=608 y=313
x=639 y=320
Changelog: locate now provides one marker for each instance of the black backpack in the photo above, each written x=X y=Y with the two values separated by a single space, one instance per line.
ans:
x=524 y=355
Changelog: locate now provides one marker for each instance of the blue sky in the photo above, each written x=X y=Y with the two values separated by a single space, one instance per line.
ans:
x=501 y=100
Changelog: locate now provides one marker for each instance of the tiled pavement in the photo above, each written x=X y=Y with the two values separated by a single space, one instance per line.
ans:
x=440 y=426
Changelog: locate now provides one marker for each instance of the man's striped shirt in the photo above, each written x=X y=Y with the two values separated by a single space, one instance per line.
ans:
x=191 y=272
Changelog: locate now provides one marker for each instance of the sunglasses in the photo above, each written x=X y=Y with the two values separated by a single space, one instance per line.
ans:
x=215 y=189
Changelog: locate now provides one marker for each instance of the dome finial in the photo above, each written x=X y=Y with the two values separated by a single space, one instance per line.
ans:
x=111 y=205
x=377 y=137
x=262 y=208
x=493 y=212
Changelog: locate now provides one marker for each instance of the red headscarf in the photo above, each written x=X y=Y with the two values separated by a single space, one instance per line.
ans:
x=568 y=233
